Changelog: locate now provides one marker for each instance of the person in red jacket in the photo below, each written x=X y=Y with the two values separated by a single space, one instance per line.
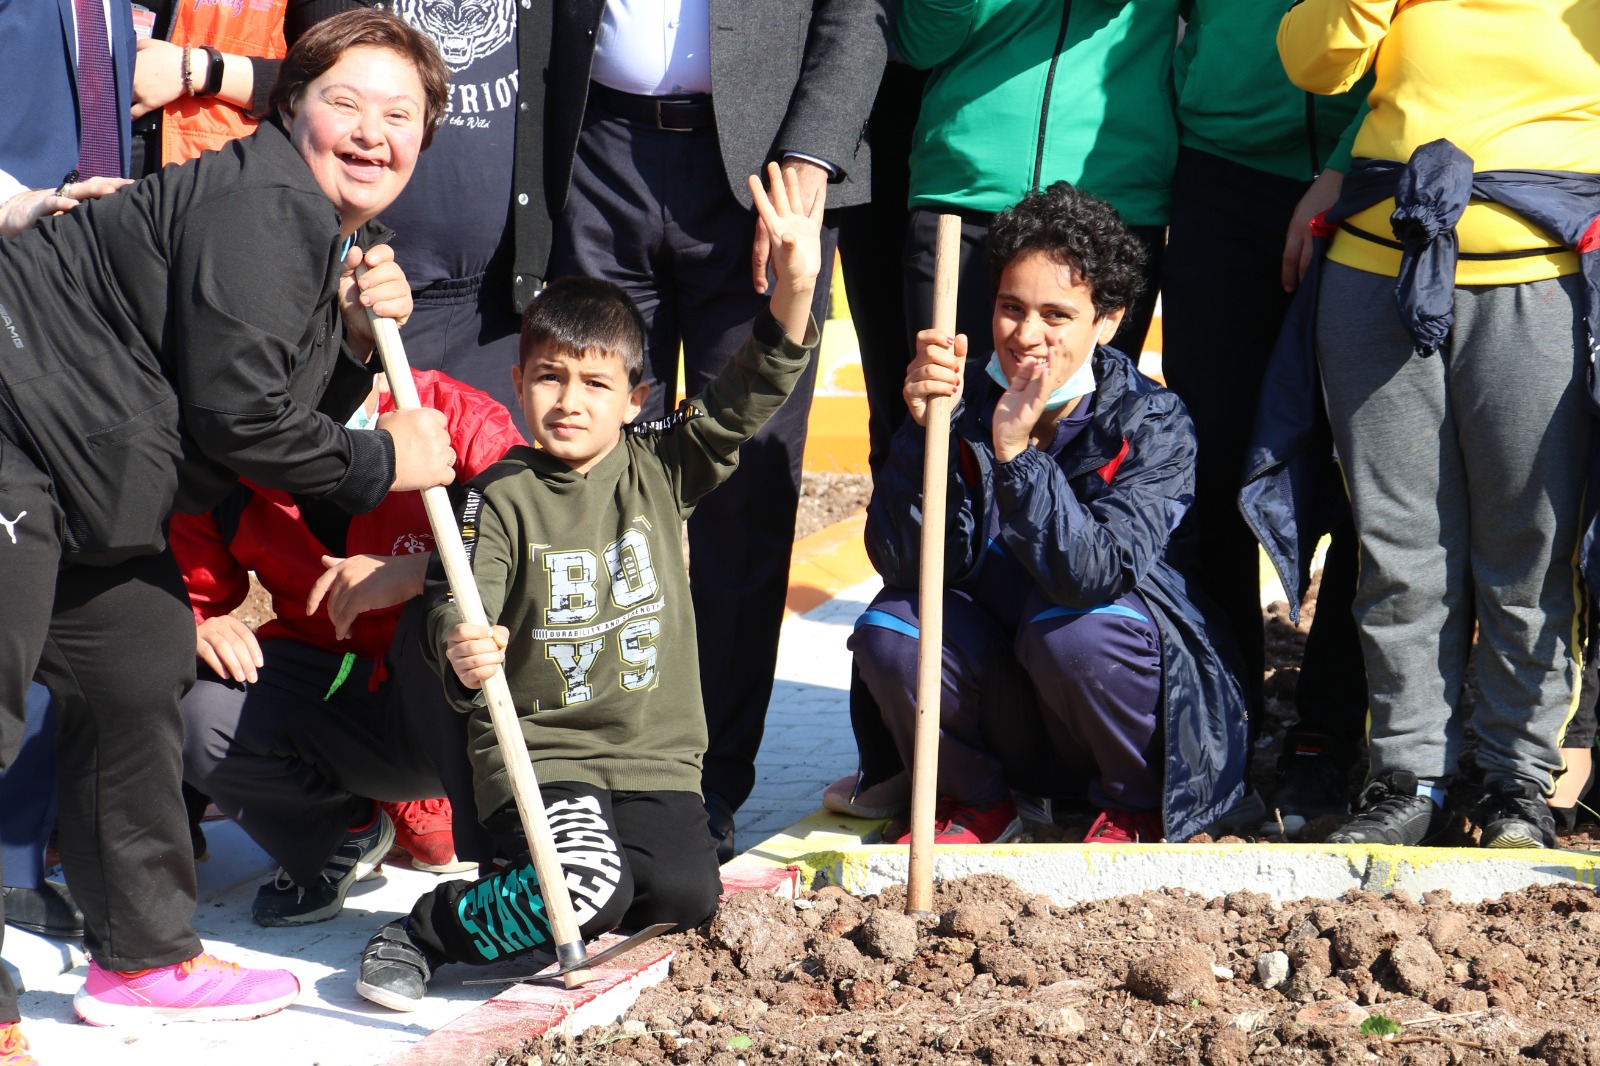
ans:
x=295 y=730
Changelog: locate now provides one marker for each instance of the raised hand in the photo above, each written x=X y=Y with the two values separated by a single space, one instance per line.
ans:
x=793 y=224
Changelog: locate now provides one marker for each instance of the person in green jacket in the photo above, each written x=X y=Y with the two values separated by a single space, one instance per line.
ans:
x=1256 y=159
x=1023 y=93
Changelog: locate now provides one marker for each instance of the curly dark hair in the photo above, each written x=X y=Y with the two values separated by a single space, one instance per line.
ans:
x=1078 y=231
x=580 y=315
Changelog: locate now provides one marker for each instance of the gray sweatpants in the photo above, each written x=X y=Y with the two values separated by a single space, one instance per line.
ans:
x=1466 y=473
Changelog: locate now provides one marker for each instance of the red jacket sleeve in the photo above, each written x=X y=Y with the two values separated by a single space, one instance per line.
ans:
x=216 y=582
x=481 y=429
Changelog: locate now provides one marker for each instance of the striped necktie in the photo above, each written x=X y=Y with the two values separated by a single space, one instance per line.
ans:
x=99 y=149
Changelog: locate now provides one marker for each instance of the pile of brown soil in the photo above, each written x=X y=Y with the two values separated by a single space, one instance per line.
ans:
x=995 y=976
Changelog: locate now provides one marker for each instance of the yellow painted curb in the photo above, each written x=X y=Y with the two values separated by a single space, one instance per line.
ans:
x=828 y=562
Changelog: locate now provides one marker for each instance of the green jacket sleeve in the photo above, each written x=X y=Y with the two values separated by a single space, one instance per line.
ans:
x=928 y=32
x=700 y=449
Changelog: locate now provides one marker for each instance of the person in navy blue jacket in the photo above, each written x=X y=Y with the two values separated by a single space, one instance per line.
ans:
x=1075 y=658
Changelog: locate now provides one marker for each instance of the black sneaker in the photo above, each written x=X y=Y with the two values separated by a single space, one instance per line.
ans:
x=283 y=902
x=394 y=971
x=1316 y=782
x=48 y=910
x=1513 y=814
x=1391 y=810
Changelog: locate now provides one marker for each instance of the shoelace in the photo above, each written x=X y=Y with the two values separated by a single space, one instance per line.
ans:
x=204 y=961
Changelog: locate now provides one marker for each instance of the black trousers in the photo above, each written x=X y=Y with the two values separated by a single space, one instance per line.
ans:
x=1222 y=306
x=297 y=760
x=629 y=858
x=115 y=646
x=872 y=238
x=651 y=211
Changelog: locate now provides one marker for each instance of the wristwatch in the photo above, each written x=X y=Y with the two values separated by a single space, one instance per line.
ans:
x=213 y=83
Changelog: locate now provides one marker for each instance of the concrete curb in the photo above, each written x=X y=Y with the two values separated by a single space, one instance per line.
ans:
x=1069 y=873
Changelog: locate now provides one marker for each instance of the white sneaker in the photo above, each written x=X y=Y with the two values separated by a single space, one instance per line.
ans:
x=883 y=800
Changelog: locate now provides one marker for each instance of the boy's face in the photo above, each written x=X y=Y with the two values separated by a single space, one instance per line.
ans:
x=1042 y=309
x=576 y=405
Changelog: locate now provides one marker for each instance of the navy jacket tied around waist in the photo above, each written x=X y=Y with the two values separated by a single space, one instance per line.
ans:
x=1291 y=440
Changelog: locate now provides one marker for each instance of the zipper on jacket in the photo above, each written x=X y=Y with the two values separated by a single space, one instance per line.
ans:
x=1311 y=136
x=1049 y=84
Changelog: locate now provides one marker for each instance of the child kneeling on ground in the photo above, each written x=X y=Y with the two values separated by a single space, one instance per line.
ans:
x=1074 y=658
x=576 y=548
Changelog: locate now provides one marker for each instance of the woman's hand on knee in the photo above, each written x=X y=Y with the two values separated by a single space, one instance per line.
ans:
x=229 y=647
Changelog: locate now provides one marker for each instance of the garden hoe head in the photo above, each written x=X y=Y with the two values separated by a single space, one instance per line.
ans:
x=621 y=947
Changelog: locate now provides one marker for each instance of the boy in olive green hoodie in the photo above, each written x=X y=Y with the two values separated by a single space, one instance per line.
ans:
x=576 y=549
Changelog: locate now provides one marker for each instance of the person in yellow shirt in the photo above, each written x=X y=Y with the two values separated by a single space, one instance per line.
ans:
x=1453 y=337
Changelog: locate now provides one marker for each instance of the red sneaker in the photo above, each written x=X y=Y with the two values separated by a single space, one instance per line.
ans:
x=422 y=828
x=956 y=823
x=14 y=1047
x=1125 y=827
x=201 y=989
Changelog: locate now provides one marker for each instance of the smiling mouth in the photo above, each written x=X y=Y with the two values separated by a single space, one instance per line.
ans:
x=362 y=165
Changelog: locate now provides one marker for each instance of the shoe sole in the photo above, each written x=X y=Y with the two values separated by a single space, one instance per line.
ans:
x=1514 y=838
x=454 y=866
x=842 y=805
x=47 y=931
x=379 y=849
x=384 y=998
x=98 y=1012
x=330 y=911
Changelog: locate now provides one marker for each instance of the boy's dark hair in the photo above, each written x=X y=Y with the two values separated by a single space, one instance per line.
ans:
x=324 y=44
x=1077 y=230
x=579 y=315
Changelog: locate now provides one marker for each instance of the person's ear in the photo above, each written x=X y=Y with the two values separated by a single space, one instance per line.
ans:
x=636 y=398
x=516 y=377
x=1108 y=325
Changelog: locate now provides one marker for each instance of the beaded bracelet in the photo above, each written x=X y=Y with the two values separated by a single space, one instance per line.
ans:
x=188 y=75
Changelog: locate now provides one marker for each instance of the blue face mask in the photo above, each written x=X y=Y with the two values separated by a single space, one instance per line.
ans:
x=1081 y=383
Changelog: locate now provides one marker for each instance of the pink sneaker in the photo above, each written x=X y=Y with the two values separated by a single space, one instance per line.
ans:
x=203 y=989
x=422 y=828
x=14 y=1047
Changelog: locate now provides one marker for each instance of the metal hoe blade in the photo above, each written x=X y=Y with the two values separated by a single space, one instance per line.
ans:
x=621 y=947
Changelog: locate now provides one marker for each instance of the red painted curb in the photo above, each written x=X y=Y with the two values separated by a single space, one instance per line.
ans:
x=525 y=1011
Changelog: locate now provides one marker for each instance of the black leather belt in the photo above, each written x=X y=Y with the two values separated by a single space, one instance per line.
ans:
x=675 y=113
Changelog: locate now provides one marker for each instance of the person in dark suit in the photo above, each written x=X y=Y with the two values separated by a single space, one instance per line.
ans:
x=64 y=137
x=648 y=138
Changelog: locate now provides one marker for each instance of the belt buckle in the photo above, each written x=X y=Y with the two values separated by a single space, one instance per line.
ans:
x=661 y=123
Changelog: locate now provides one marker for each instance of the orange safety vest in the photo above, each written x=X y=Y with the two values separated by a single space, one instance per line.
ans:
x=191 y=125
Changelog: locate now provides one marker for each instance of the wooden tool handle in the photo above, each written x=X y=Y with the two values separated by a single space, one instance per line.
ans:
x=930 y=585
x=502 y=711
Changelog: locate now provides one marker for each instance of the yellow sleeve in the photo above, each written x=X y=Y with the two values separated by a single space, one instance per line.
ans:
x=1326 y=45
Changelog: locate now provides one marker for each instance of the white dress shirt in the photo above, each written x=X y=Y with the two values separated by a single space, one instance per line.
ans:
x=654 y=47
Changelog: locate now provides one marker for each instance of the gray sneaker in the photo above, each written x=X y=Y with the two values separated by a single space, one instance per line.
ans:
x=394 y=970
x=1390 y=810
